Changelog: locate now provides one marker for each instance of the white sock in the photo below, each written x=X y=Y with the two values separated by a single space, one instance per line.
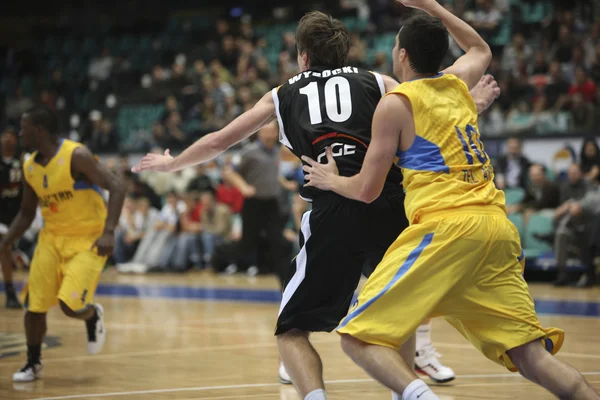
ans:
x=418 y=390
x=318 y=394
x=396 y=396
x=423 y=335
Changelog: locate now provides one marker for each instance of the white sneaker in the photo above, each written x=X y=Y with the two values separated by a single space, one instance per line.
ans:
x=231 y=269
x=252 y=271
x=30 y=372
x=96 y=331
x=284 y=377
x=427 y=363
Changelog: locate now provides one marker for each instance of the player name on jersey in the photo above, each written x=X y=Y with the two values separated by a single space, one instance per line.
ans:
x=323 y=74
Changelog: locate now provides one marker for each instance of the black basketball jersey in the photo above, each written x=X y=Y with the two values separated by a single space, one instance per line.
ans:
x=11 y=188
x=323 y=107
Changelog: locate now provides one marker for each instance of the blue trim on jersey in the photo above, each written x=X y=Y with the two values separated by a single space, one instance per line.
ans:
x=83 y=185
x=522 y=256
x=428 y=77
x=549 y=344
x=423 y=155
x=408 y=263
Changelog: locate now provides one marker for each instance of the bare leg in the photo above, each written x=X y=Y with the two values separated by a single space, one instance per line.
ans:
x=7 y=274
x=540 y=367
x=301 y=361
x=35 y=330
x=383 y=363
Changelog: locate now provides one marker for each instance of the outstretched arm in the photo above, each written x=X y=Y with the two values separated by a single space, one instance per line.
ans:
x=366 y=186
x=84 y=163
x=213 y=144
x=471 y=66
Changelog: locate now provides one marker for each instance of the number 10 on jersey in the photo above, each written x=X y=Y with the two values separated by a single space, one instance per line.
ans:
x=338 y=103
x=474 y=144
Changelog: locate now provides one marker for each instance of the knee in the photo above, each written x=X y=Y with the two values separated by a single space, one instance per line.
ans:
x=528 y=358
x=66 y=309
x=292 y=335
x=351 y=345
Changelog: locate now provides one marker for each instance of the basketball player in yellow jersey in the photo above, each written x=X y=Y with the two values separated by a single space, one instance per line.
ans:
x=461 y=257
x=65 y=180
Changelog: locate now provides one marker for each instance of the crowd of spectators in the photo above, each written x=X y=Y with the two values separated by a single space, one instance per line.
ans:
x=549 y=71
x=572 y=200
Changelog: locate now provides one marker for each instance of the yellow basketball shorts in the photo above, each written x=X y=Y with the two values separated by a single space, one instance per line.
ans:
x=466 y=266
x=63 y=268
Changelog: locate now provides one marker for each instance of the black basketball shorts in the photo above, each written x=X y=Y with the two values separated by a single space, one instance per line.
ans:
x=339 y=240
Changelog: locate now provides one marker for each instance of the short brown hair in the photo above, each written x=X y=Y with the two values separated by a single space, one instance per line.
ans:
x=325 y=39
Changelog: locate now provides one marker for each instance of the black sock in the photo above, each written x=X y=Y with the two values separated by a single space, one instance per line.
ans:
x=91 y=325
x=34 y=353
x=9 y=288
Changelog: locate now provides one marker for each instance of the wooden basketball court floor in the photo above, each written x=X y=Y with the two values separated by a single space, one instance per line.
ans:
x=203 y=336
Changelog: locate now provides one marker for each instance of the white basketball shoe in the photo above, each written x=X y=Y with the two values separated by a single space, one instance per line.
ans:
x=427 y=363
x=29 y=373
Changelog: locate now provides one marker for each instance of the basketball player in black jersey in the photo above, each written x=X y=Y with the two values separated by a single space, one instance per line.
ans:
x=329 y=104
x=11 y=190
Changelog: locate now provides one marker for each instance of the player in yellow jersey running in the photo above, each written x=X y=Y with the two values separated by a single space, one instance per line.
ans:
x=461 y=257
x=65 y=180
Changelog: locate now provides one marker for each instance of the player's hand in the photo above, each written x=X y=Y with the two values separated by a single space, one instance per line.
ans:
x=105 y=244
x=248 y=191
x=155 y=162
x=485 y=92
x=319 y=175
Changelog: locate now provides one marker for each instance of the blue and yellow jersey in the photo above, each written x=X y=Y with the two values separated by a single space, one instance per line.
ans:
x=446 y=167
x=69 y=207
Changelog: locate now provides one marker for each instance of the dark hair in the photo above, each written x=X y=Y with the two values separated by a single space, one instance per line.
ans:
x=325 y=39
x=588 y=163
x=425 y=39
x=44 y=117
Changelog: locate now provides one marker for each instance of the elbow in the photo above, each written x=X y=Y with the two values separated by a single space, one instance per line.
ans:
x=486 y=54
x=368 y=195
x=217 y=144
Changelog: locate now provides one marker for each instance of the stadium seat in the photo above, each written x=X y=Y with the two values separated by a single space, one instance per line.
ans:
x=514 y=196
x=538 y=224
x=517 y=220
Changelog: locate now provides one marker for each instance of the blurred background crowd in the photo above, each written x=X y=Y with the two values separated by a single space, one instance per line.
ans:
x=125 y=85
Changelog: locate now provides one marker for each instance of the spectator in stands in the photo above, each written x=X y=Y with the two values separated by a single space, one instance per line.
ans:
x=590 y=159
x=516 y=54
x=541 y=193
x=582 y=113
x=558 y=86
x=151 y=253
x=184 y=251
x=175 y=136
x=256 y=175
x=512 y=168
x=562 y=51
x=201 y=182
x=584 y=85
x=137 y=218
x=573 y=235
x=104 y=137
x=17 y=105
x=575 y=187
x=101 y=66
x=230 y=196
x=595 y=65
x=171 y=105
x=539 y=65
x=485 y=19
x=216 y=224
x=520 y=118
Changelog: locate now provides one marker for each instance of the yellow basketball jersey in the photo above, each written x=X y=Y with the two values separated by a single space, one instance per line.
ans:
x=446 y=167
x=69 y=207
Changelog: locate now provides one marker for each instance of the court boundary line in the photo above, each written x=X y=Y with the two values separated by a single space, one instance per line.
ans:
x=260 y=385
